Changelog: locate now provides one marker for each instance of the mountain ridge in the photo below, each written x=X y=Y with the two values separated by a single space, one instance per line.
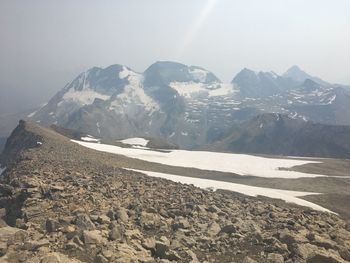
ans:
x=185 y=105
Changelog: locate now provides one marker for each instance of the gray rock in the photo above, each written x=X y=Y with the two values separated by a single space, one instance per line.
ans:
x=92 y=237
x=275 y=258
x=116 y=233
x=229 y=229
x=84 y=222
x=122 y=215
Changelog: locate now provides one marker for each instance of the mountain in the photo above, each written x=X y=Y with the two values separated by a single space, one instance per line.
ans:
x=187 y=105
x=297 y=74
x=279 y=134
x=253 y=84
x=61 y=202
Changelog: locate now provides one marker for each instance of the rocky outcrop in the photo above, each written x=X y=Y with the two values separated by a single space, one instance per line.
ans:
x=77 y=205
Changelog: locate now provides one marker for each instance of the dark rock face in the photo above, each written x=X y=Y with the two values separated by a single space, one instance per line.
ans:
x=282 y=135
x=79 y=206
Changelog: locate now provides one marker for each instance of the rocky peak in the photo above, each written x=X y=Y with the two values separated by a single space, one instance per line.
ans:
x=19 y=140
x=296 y=74
x=244 y=76
x=164 y=72
x=105 y=81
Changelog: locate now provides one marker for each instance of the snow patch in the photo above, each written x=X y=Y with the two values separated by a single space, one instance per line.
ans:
x=83 y=97
x=189 y=89
x=32 y=114
x=89 y=139
x=288 y=196
x=186 y=89
x=242 y=164
x=332 y=99
x=133 y=94
x=199 y=74
x=136 y=141
x=225 y=89
x=125 y=73
x=98 y=127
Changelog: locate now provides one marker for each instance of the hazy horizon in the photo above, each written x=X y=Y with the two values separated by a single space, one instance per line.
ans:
x=44 y=45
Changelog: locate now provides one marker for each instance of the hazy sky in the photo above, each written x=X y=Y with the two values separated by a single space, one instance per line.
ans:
x=45 y=44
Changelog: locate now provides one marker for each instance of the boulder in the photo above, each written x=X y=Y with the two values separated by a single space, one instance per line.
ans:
x=275 y=258
x=181 y=223
x=51 y=225
x=92 y=237
x=122 y=215
x=249 y=260
x=213 y=229
x=228 y=229
x=84 y=222
x=116 y=233
x=149 y=243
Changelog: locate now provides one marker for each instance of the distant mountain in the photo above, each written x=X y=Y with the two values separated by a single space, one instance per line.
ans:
x=279 y=134
x=187 y=105
x=296 y=74
x=261 y=84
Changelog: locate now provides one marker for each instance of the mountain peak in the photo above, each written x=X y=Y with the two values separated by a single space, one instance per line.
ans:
x=244 y=74
x=296 y=74
x=164 y=72
x=294 y=68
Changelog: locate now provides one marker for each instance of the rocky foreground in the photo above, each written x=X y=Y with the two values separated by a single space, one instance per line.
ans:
x=60 y=202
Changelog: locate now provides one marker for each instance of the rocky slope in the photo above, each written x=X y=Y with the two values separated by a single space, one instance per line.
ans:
x=64 y=203
x=187 y=105
x=279 y=134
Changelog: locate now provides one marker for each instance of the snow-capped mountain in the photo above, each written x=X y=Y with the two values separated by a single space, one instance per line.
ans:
x=187 y=105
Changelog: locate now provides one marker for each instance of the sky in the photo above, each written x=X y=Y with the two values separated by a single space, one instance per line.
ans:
x=45 y=44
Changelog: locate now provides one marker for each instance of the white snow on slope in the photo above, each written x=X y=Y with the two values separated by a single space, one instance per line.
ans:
x=34 y=112
x=288 y=196
x=135 y=141
x=84 y=97
x=199 y=74
x=126 y=72
x=89 y=139
x=332 y=99
x=31 y=114
x=188 y=89
x=241 y=164
x=225 y=89
x=133 y=94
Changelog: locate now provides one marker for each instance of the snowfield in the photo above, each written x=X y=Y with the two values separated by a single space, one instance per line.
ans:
x=89 y=138
x=288 y=196
x=241 y=164
x=83 y=97
x=135 y=141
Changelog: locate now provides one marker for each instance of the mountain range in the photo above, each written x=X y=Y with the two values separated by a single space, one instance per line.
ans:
x=188 y=105
x=278 y=134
